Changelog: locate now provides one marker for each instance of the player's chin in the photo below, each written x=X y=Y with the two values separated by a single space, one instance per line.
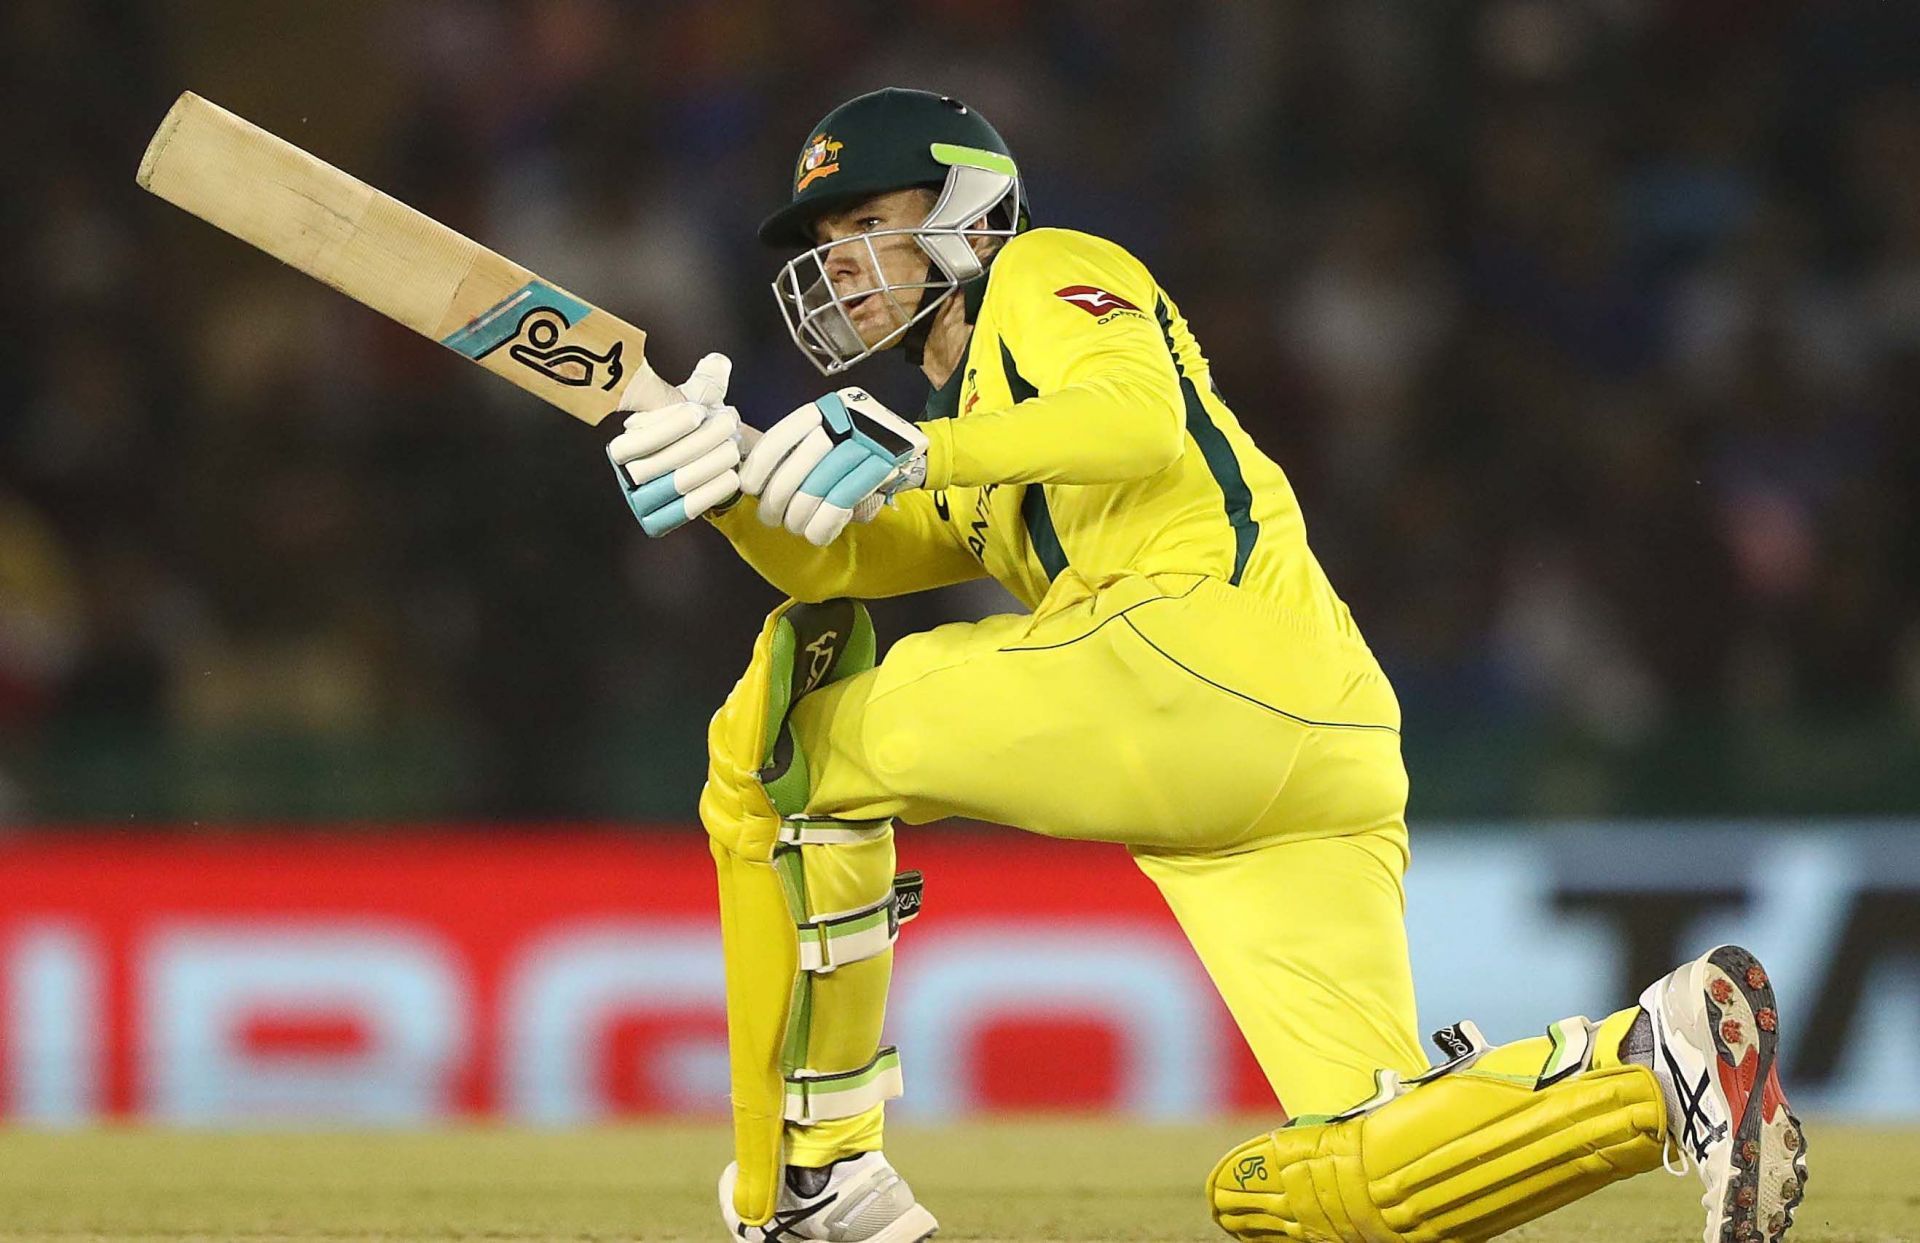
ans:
x=875 y=320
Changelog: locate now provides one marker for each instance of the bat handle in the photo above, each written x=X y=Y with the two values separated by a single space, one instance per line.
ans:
x=647 y=391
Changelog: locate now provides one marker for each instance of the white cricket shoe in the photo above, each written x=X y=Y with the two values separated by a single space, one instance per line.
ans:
x=860 y=1200
x=1715 y=1034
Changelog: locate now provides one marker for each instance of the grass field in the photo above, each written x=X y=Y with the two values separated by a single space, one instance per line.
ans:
x=1036 y=1180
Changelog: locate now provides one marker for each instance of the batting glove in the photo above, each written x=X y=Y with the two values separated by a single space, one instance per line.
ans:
x=678 y=461
x=831 y=457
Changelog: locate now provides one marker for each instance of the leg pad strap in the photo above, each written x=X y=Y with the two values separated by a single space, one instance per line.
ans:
x=813 y=1096
x=835 y=939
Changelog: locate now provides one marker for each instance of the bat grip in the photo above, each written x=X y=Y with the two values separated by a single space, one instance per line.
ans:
x=647 y=391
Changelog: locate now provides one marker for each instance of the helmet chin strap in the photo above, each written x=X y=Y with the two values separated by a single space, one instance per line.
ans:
x=914 y=342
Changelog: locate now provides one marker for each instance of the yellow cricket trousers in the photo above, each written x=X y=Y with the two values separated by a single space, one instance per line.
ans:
x=1249 y=762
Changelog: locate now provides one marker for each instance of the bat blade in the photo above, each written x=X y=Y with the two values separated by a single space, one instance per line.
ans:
x=405 y=265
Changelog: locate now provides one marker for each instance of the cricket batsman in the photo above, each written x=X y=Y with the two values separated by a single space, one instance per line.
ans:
x=1186 y=684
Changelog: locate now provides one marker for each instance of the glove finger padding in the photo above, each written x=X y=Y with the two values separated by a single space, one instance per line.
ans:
x=867 y=475
x=649 y=431
x=695 y=503
x=684 y=477
x=721 y=459
x=773 y=447
x=667 y=510
x=800 y=511
x=718 y=429
x=661 y=490
x=707 y=386
x=826 y=524
x=782 y=491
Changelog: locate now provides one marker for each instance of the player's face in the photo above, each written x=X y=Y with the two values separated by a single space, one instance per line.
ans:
x=850 y=264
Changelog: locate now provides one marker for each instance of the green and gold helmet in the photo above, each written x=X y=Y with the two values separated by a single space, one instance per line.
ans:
x=891 y=139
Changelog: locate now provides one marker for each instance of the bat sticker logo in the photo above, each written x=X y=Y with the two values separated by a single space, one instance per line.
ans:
x=537 y=345
x=530 y=322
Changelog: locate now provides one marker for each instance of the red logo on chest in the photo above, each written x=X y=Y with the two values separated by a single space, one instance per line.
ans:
x=1093 y=300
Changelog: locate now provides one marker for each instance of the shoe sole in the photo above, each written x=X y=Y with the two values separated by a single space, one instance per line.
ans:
x=1767 y=1177
x=912 y=1226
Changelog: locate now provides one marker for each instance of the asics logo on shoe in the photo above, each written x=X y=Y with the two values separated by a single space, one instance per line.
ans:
x=782 y=1225
x=1696 y=1132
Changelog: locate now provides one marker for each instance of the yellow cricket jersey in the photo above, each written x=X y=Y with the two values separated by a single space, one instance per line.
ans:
x=1083 y=429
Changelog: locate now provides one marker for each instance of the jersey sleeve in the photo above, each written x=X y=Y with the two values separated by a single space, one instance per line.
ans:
x=1102 y=401
x=907 y=548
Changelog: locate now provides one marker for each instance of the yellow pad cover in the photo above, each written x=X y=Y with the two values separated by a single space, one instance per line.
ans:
x=808 y=909
x=1462 y=1156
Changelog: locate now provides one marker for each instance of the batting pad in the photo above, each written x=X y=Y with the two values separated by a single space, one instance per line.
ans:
x=1455 y=1157
x=809 y=909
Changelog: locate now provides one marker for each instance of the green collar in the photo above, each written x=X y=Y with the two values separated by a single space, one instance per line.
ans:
x=944 y=402
x=974 y=292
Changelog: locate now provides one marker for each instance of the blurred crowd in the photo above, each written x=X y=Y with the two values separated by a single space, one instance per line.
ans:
x=1588 y=330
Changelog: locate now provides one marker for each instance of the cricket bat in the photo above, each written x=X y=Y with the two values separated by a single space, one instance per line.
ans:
x=410 y=268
